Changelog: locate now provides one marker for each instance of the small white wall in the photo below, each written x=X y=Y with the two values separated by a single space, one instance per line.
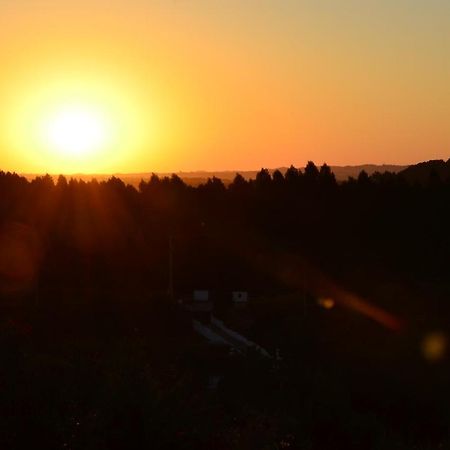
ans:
x=239 y=296
x=201 y=296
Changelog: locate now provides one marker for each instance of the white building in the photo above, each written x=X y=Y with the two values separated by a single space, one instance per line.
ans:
x=201 y=296
x=239 y=297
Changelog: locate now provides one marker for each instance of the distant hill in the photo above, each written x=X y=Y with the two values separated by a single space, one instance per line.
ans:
x=341 y=172
x=197 y=177
x=424 y=171
x=344 y=172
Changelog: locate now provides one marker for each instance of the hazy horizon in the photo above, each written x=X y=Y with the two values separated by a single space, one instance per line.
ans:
x=211 y=171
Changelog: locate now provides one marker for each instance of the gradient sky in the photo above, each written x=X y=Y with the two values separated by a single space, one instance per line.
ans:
x=206 y=84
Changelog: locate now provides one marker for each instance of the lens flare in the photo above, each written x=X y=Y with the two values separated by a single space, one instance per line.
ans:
x=434 y=346
x=326 y=302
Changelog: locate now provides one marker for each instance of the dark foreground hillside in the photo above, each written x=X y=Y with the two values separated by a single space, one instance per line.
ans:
x=348 y=289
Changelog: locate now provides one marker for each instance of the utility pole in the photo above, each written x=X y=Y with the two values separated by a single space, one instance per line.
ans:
x=304 y=290
x=171 y=290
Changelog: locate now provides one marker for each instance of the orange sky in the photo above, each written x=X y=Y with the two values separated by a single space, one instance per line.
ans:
x=207 y=84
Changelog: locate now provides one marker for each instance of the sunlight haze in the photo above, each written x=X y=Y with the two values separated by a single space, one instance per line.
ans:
x=209 y=85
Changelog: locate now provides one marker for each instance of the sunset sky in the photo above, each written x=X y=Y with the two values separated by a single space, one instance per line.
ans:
x=145 y=85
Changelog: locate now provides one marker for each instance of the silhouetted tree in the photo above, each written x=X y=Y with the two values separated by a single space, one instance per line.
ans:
x=326 y=176
x=293 y=176
x=311 y=173
x=363 y=178
x=238 y=181
x=214 y=185
x=62 y=182
x=278 y=178
x=263 y=179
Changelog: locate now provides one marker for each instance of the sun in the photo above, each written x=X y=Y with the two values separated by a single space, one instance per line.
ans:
x=90 y=123
x=76 y=131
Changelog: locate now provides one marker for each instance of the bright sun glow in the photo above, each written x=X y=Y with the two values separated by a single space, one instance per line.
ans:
x=77 y=131
x=78 y=124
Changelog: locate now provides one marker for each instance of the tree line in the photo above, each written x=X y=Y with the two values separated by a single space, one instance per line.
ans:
x=109 y=233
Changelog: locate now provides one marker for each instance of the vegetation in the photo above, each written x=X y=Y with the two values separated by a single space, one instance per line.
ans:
x=96 y=355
